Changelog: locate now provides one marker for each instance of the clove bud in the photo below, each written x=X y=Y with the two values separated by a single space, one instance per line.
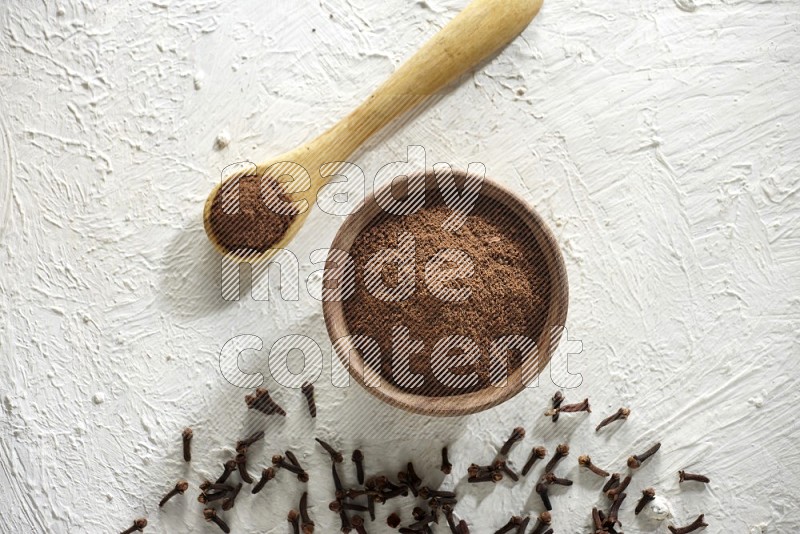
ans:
x=570 y=408
x=308 y=393
x=683 y=476
x=621 y=414
x=517 y=435
x=210 y=515
x=542 y=522
x=335 y=455
x=306 y=522
x=446 y=467
x=635 y=461
x=562 y=451
x=267 y=474
x=537 y=453
x=586 y=461
x=138 y=526
x=179 y=489
x=648 y=495
x=262 y=402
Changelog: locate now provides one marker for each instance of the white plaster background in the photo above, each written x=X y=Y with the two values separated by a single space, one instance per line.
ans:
x=659 y=138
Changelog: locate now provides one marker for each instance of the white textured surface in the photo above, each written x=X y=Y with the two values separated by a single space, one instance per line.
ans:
x=659 y=138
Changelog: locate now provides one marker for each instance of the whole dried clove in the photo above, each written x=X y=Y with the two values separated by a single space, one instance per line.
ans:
x=335 y=455
x=308 y=393
x=187 y=444
x=614 y=492
x=267 y=474
x=462 y=527
x=210 y=515
x=228 y=468
x=137 y=526
x=358 y=459
x=558 y=399
x=241 y=465
x=524 y=525
x=570 y=408
x=229 y=501
x=541 y=489
x=294 y=519
x=614 y=511
x=280 y=461
x=517 y=435
x=582 y=406
x=537 y=453
x=542 y=522
x=446 y=467
x=262 y=402
x=635 y=461
x=562 y=451
x=305 y=520
x=648 y=495
x=269 y=403
x=244 y=444
x=179 y=489
x=695 y=525
x=683 y=476
x=586 y=461
x=621 y=414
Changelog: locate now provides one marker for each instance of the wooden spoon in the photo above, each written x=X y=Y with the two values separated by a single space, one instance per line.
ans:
x=483 y=28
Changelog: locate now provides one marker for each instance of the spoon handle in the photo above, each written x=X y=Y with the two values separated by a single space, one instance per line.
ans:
x=480 y=30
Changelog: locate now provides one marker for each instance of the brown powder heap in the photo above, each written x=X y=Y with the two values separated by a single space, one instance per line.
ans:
x=258 y=225
x=510 y=289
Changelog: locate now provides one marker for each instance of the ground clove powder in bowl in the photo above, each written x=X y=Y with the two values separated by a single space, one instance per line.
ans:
x=509 y=293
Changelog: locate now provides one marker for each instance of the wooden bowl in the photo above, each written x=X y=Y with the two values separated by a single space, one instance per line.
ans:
x=490 y=396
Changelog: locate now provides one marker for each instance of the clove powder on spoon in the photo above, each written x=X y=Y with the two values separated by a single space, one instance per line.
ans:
x=261 y=219
x=510 y=291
